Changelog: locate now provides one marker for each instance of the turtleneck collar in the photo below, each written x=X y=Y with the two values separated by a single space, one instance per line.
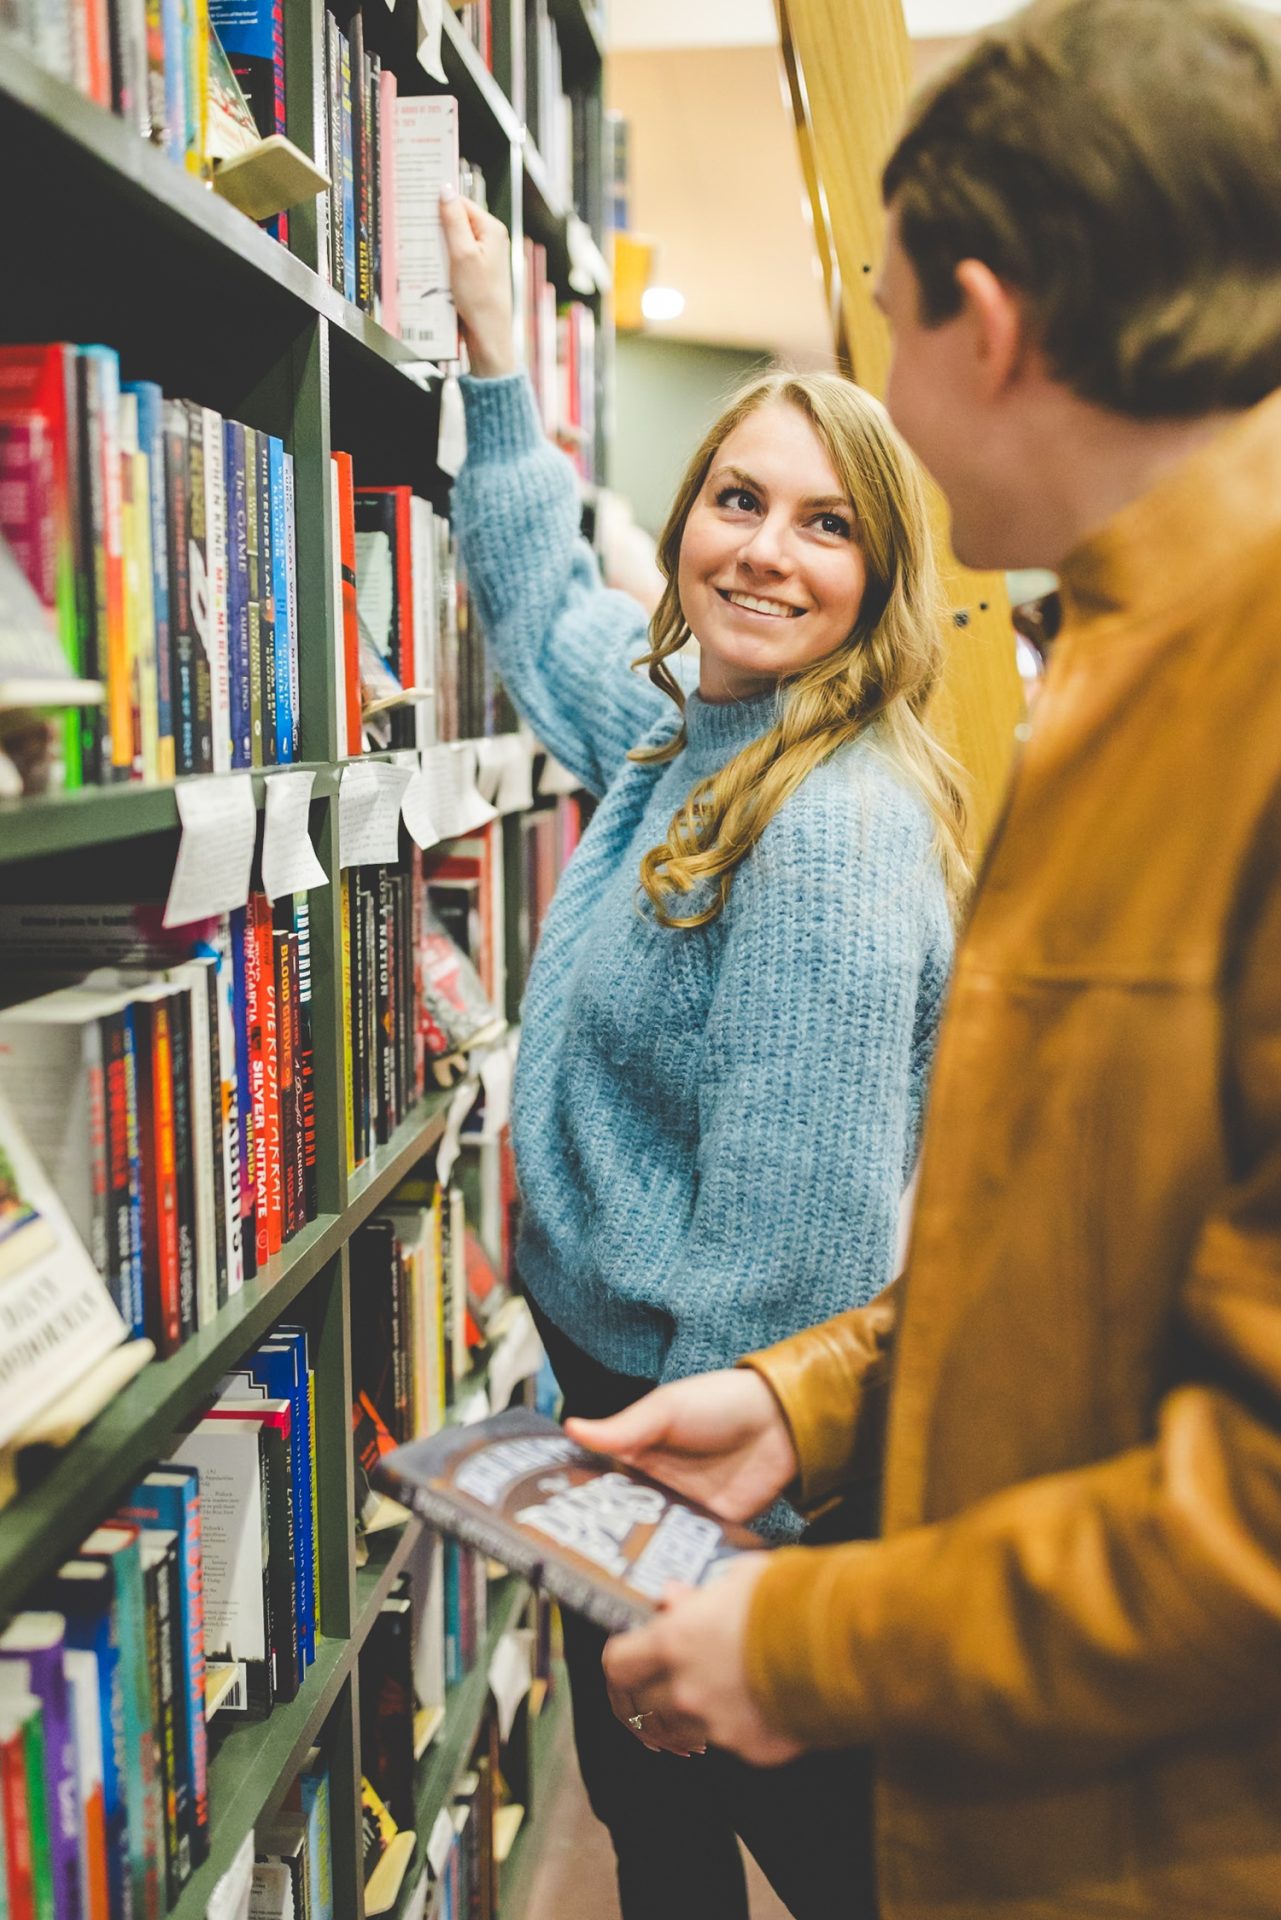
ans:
x=715 y=731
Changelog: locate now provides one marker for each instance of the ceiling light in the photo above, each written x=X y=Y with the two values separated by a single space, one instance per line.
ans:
x=662 y=303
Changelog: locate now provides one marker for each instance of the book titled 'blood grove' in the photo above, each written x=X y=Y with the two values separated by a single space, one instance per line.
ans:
x=601 y=1538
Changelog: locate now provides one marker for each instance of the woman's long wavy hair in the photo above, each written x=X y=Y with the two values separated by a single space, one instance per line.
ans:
x=882 y=674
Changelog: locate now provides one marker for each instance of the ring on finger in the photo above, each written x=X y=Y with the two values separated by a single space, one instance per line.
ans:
x=636 y=1721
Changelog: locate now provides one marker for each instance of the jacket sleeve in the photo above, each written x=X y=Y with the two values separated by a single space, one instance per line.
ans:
x=563 y=642
x=803 y=1117
x=1069 y=1622
x=832 y=1386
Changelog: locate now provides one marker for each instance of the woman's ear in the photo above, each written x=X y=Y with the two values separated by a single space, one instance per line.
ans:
x=998 y=329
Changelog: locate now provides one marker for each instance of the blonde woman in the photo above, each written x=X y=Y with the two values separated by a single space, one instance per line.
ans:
x=730 y=1020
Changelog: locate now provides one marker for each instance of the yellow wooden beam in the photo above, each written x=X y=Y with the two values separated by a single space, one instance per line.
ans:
x=847 y=65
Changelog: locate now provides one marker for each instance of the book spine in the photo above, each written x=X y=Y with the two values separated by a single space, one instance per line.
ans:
x=289 y=1190
x=306 y=1055
x=15 y=1815
x=179 y=1309
x=360 y=160
x=333 y=129
x=280 y=604
x=216 y=1139
x=242 y=1028
x=47 y=1681
x=384 y=1101
x=255 y=1013
x=142 y=687
x=271 y=1073
x=266 y=601
x=216 y=588
x=175 y=80
x=253 y=589
x=178 y=1013
x=159 y=1619
x=237 y=595
x=373 y=125
x=151 y=435
x=298 y=1123
x=349 y=1084
x=36 y=1794
x=133 y=1136
x=182 y=642
x=291 y=608
x=198 y=561
x=191 y=1603
x=115 y=1099
x=348 y=225
x=387 y=95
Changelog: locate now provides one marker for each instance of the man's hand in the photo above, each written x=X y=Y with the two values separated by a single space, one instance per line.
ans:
x=720 y=1438
x=687 y=1670
x=480 y=274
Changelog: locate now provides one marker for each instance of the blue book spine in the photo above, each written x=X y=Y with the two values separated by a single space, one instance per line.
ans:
x=137 y=1293
x=280 y=595
x=238 y=593
x=345 y=83
x=291 y=597
x=314 y=1792
x=176 y=56
x=171 y=1500
x=92 y=1629
x=299 y=1338
x=277 y=1367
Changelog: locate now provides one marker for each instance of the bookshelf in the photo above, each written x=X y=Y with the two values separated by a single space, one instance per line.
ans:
x=120 y=245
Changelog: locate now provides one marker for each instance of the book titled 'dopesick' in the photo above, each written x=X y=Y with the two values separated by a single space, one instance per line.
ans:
x=602 y=1539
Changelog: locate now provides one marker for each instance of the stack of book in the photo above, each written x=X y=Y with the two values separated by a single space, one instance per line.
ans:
x=168 y=1092
x=412 y=667
x=160 y=538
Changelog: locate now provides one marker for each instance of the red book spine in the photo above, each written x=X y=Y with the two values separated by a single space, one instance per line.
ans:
x=17 y=1828
x=255 y=1016
x=271 y=1072
x=286 y=1088
x=166 y=1170
x=351 y=631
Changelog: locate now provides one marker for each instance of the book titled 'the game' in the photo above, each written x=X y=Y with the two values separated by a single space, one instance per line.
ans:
x=603 y=1539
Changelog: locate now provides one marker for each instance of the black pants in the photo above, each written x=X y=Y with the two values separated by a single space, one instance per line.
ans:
x=673 y=1821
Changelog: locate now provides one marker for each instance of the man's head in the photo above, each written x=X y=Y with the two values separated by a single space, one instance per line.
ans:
x=1092 y=197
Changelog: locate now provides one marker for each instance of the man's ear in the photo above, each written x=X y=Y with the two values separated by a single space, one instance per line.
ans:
x=998 y=325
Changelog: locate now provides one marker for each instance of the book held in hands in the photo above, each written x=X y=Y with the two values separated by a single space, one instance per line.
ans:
x=603 y=1539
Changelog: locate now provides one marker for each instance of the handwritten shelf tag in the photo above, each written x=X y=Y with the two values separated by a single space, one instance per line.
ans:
x=215 y=854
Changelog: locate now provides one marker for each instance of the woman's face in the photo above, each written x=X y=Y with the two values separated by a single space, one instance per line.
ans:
x=770 y=575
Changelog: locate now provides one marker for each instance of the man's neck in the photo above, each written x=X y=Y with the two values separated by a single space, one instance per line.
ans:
x=1094 y=463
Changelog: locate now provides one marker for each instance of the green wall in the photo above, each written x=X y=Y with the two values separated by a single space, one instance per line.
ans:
x=666 y=395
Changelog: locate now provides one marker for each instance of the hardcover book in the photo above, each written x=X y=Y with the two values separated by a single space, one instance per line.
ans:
x=602 y=1539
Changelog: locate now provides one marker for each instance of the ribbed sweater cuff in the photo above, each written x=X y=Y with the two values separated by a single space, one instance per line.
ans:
x=502 y=418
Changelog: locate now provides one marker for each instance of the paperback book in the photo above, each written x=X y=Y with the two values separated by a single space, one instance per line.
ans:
x=603 y=1539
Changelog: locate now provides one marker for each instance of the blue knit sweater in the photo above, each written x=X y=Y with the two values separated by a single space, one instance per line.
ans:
x=713 y=1127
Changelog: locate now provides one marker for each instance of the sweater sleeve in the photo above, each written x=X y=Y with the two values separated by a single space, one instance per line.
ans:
x=562 y=640
x=1067 y=1623
x=806 y=1076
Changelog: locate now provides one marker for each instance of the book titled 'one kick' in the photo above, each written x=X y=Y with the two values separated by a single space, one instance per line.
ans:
x=603 y=1539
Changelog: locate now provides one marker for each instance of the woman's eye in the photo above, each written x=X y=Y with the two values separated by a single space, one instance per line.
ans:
x=834 y=523
x=737 y=497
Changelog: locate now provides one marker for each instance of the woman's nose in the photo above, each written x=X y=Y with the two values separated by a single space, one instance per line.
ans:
x=767 y=546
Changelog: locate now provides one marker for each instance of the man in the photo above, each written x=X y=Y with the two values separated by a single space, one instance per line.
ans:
x=1064 y=1650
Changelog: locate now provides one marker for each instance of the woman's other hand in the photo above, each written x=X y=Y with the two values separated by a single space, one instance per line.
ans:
x=480 y=273
x=720 y=1438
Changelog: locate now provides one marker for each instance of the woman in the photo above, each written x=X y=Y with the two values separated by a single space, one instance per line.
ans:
x=730 y=1018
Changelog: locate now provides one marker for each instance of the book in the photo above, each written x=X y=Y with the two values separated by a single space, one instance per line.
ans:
x=284 y=1545
x=84 y=1694
x=456 y=1011
x=426 y=159
x=231 y=1458
x=117 y=1546
x=159 y=1549
x=83 y=1592
x=35 y=1642
x=24 y=1797
x=601 y=1538
x=59 y=1316
x=387 y=1708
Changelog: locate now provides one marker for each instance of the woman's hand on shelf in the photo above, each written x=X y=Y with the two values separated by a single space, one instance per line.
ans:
x=720 y=1438
x=480 y=274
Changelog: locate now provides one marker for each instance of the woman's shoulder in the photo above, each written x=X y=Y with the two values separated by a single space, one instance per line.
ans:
x=855 y=804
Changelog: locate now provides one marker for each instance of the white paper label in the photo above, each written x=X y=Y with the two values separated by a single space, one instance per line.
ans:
x=440 y=1843
x=289 y=863
x=518 y=1352
x=516 y=775
x=496 y=1069
x=415 y=811
x=451 y=441
x=230 y=1898
x=430 y=25
x=215 y=854
x=459 y=1107
x=510 y=1676
x=557 y=779
x=369 y=812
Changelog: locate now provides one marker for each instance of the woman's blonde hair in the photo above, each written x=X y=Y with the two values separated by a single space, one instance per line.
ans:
x=883 y=672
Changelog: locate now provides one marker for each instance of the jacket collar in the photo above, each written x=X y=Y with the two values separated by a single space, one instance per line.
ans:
x=1163 y=549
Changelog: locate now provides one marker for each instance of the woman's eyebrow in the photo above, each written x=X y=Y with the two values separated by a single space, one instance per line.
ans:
x=823 y=502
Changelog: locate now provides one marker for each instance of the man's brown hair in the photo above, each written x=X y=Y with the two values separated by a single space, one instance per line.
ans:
x=1119 y=163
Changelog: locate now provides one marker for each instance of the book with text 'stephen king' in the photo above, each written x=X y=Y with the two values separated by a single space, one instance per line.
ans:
x=601 y=1538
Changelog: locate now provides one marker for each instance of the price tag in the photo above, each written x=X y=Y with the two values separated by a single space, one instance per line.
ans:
x=451 y=440
x=430 y=27
x=369 y=812
x=289 y=863
x=215 y=854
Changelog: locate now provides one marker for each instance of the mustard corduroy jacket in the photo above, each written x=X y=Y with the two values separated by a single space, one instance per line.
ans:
x=1065 y=1649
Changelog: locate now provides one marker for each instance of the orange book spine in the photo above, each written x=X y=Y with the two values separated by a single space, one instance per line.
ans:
x=351 y=630
x=271 y=1071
